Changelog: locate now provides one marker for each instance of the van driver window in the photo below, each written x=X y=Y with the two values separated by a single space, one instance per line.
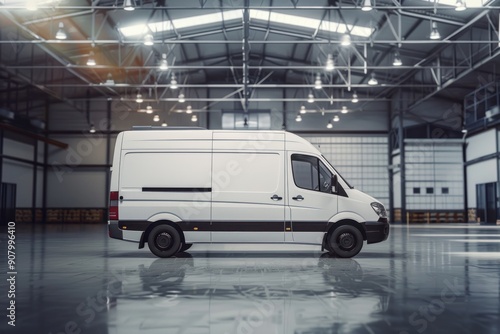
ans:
x=310 y=173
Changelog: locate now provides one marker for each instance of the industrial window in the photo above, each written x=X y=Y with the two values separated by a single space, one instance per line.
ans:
x=429 y=190
x=445 y=190
x=416 y=190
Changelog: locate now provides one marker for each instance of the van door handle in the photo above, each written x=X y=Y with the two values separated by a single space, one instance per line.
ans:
x=276 y=198
x=298 y=198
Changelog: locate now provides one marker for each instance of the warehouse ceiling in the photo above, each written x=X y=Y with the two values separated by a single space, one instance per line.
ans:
x=240 y=49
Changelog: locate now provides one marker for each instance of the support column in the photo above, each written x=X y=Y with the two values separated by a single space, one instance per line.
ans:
x=402 y=167
x=35 y=181
x=108 y=150
x=45 y=164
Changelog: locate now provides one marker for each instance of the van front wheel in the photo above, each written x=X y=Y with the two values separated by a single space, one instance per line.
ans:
x=164 y=241
x=345 y=241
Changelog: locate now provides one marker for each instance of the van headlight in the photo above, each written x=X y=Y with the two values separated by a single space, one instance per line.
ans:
x=379 y=209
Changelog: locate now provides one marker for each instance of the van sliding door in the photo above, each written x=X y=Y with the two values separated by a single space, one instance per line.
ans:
x=248 y=190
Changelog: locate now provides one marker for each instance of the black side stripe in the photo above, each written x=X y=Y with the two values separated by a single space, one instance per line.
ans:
x=178 y=189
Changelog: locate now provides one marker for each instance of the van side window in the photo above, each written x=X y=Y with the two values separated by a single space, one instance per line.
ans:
x=310 y=173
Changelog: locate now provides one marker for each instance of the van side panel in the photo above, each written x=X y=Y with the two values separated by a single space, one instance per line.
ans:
x=162 y=176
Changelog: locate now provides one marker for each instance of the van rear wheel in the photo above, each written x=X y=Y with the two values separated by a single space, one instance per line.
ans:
x=164 y=241
x=345 y=241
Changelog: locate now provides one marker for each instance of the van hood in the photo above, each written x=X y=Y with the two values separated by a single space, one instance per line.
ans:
x=358 y=195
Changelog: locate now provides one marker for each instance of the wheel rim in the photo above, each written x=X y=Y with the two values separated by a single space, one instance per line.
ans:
x=347 y=241
x=163 y=240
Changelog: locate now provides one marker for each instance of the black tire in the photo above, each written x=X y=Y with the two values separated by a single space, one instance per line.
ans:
x=164 y=241
x=345 y=241
x=185 y=247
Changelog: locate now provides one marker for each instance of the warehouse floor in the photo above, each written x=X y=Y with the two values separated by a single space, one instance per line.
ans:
x=432 y=279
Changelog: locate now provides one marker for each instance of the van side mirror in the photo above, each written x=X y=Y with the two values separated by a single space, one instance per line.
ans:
x=335 y=184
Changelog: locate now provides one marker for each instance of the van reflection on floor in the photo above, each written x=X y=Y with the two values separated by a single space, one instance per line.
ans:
x=252 y=293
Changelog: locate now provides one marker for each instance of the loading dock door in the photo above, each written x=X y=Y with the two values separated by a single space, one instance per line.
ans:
x=486 y=195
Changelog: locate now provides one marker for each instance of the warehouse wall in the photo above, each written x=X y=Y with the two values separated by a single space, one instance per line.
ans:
x=483 y=166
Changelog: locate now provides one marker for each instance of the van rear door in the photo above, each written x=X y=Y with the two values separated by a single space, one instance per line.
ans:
x=248 y=187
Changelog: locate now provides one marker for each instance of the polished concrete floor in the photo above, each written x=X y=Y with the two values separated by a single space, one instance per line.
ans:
x=424 y=279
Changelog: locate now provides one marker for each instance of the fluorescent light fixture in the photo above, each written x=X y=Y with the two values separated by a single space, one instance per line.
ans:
x=336 y=118
x=129 y=5
x=173 y=82
x=156 y=118
x=194 y=118
x=149 y=40
x=149 y=110
x=139 y=98
x=373 y=80
x=344 y=110
x=317 y=83
x=61 y=34
x=164 y=62
x=164 y=124
x=298 y=118
x=434 y=32
x=397 y=60
x=182 y=98
x=329 y=63
x=355 y=98
x=310 y=97
x=92 y=128
x=303 y=109
x=329 y=125
x=260 y=15
x=345 y=40
x=91 y=60
x=31 y=5
x=367 y=5
x=460 y=5
x=189 y=110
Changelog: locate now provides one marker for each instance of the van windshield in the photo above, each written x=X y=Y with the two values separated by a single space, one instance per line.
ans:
x=336 y=172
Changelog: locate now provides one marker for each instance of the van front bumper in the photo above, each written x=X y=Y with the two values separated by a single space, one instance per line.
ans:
x=377 y=231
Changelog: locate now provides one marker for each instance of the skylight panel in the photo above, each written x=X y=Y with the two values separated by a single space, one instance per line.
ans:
x=231 y=15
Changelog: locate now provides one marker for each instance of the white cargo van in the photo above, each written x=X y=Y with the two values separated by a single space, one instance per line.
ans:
x=171 y=188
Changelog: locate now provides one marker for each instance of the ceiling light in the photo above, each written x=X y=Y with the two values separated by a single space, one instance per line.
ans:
x=173 y=82
x=189 y=110
x=298 y=118
x=345 y=40
x=139 y=98
x=317 y=83
x=367 y=5
x=344 y=110
x=31 y=5
x=182 y=99
x=310 y=97
x=163 y=62
x=373 y=81
x=434 y=32
x=149 y=40
x=109 y=80
x=397 y=60
x=91 y=60
x=329 y=125
x=129 y=5
x=303 y=110
x=194 y=118
x=354 y=98
x=156 y=118
x=92 y=128
x=164 y=124
x=149 y=110
x=460 y=5
x=329 y=63
x=61 y=34
x=336 y=118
